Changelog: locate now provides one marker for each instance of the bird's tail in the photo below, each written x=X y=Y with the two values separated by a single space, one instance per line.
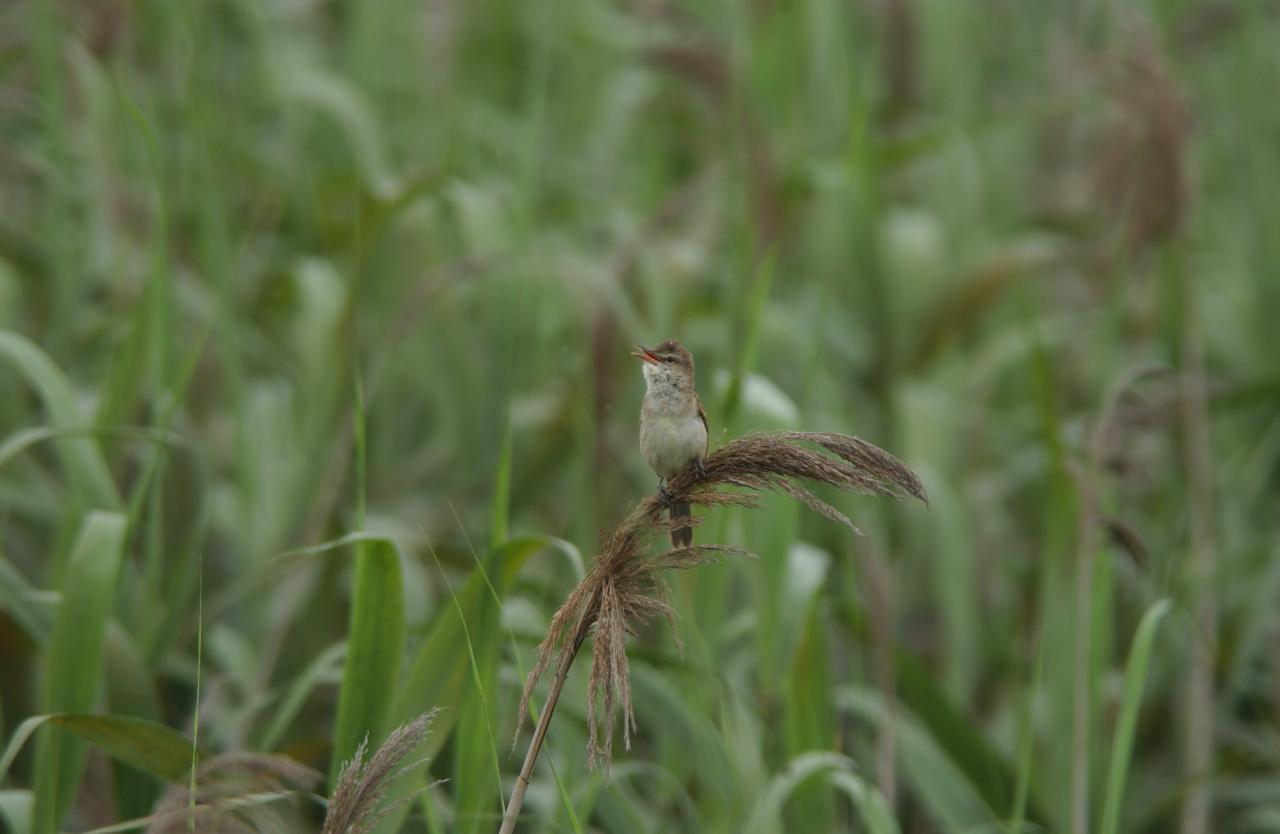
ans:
x=681 y=536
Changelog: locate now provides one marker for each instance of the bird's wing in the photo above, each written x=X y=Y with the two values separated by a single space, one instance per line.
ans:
x=702 y=415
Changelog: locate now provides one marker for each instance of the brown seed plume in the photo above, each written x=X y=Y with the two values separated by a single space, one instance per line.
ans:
x=230 y=788
x=1142 y=175
x=222 y=802
x=625 y=587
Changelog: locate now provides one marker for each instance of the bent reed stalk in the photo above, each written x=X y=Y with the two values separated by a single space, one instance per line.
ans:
x=625 y=587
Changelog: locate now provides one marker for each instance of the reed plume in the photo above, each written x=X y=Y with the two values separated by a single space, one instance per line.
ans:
x=1142 y=175
x=358 y=796
x=625 y=587
x=234 y=792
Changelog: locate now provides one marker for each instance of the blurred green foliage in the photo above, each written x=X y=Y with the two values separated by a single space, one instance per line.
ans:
x=276 y=273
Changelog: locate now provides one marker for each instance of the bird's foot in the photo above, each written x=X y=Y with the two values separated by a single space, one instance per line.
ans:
x=700 y=467
x=665 y=494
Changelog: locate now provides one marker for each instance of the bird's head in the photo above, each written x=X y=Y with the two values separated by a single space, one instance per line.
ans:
x=668 y=363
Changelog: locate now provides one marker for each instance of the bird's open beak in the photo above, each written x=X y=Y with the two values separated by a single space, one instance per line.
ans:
x=645 y=354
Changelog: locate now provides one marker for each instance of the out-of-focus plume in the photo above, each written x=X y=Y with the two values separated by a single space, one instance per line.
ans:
x=1141 y=175
x=234 y=793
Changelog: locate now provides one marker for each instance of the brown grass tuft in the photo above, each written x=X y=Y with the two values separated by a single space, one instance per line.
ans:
x=225 y=789
x=625 y=589
x=235 y=791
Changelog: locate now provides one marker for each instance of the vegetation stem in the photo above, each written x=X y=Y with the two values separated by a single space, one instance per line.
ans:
x=540 y=732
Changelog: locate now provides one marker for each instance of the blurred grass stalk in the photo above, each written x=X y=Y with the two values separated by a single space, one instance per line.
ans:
x=1089 y=613
x=1202 y=563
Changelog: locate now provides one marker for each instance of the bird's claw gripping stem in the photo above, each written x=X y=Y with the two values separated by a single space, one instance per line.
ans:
x=665 y=494
x=700 y=466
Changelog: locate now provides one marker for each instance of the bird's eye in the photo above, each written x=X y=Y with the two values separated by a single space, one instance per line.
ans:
x=669 y=359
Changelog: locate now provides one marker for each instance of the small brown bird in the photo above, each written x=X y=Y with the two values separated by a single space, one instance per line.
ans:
x=673 y=423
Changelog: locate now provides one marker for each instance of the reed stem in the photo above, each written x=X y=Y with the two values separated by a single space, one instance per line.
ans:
x=540 y=732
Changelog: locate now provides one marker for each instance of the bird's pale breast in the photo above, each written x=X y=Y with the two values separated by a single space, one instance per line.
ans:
x=670 y=438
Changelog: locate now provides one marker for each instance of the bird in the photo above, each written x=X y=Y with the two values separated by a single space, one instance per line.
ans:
x=673 y=424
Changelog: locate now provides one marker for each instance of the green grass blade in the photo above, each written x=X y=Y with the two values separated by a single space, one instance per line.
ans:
x=74 y=660
x=697 y=744
x=809 y=722
x=441 y=667
x=620 y=810
x=655 y=783
x=1026 y=742
x=322 y=667
x=21 y=441
x=477 y=763
x=751 y=319
x=574 y=558
x=131 y=690
x=431 y=812
x=950 y=798
x=766 y=815
x=15 y=811
x=155 y=748
x=17 y=600
x=871 y=804
x=501 y=509
x=16 y=741
x=991 y=774
x=374 y=647
x=85 y=467
x=195 y=721
x=362 y=450
x=159 y=750
x=1135 y=677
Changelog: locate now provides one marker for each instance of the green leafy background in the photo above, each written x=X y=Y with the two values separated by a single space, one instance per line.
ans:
x=315 y=401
